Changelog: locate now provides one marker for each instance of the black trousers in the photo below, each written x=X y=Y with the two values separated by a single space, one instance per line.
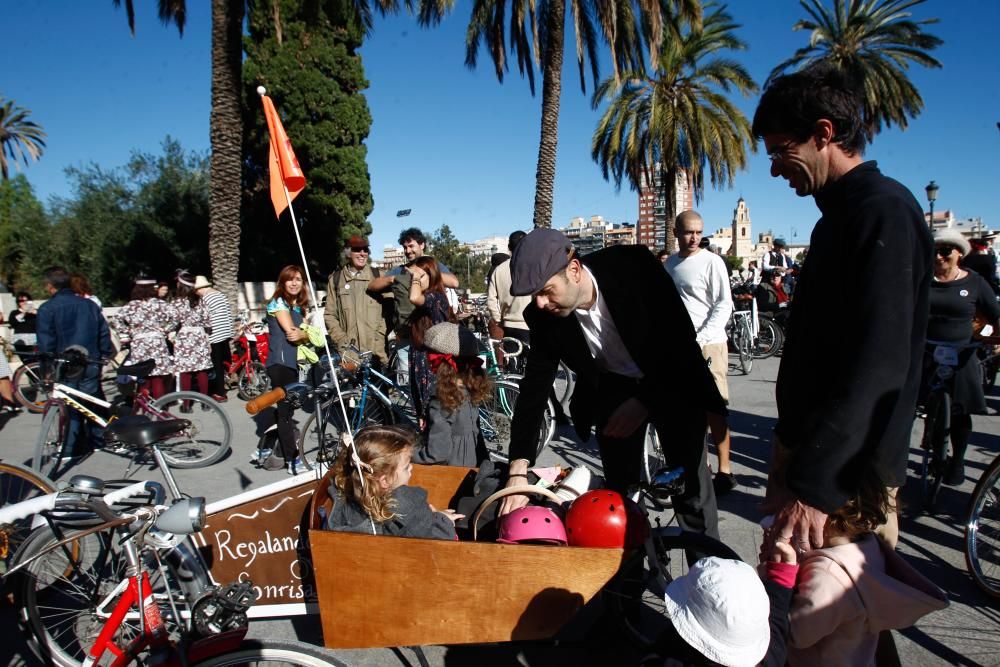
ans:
x=220 y=353
x=683 y=442
x=280 y=376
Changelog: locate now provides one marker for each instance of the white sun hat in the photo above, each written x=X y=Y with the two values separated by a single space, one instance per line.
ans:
x=721 y=609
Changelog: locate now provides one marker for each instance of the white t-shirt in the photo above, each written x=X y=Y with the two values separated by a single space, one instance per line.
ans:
x=603 y=339
x=703 y=284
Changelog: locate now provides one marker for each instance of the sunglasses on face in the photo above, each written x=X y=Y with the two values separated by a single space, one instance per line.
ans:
x=360 y=249
x=945 y=251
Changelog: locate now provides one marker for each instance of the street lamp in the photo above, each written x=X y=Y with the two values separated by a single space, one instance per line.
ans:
x=932 y=190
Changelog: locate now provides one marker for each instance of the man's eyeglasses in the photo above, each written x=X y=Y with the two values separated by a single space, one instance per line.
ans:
x=361 y=249
x=778 y=152
x=945 y=250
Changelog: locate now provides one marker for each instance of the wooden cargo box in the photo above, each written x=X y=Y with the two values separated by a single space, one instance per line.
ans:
x=377 y=591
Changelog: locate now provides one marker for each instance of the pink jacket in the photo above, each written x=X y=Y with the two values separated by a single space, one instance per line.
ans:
x=846 y=595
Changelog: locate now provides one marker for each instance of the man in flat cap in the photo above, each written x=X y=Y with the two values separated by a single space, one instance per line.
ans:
x=616 y=319
x=351 y=312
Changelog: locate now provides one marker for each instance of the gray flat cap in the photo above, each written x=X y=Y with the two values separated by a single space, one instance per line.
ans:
x=540 y=255
x=448 y=338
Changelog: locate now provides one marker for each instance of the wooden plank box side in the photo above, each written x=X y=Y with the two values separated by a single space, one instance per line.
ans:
x=395 y=591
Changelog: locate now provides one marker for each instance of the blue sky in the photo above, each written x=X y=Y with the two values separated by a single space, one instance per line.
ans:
x=454 y=145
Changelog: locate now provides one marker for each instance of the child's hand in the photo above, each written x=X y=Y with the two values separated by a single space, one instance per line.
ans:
x=782 y=552
x=452 y=515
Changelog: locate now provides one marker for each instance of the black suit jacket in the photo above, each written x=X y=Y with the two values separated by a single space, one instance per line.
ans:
x=653 y=325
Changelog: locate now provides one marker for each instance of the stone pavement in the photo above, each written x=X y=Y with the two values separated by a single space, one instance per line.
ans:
x=966 y=633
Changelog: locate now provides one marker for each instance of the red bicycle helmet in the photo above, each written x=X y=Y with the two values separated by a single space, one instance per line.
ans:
x=531 y=525
x=603 y=518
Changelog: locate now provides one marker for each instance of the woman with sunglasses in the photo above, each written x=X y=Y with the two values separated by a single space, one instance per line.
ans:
x=955 y=297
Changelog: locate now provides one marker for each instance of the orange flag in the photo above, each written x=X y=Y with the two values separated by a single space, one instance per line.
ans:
x=281 y=162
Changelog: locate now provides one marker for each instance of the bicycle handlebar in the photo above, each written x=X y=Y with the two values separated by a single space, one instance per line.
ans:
x=27 y=508
x=265 y=400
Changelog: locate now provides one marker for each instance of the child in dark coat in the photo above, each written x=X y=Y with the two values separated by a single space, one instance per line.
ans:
x=372 y=496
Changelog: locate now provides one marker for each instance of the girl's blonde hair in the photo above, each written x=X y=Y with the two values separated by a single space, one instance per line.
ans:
x=863 y=513
x=452 y=395
x=379 y=447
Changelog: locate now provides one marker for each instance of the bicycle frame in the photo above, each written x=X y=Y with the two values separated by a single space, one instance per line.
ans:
x=67 y=395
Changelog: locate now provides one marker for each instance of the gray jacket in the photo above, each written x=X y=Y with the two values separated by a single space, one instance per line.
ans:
x=414 y=517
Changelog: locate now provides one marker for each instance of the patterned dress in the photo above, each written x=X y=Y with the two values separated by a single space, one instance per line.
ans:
x=421 y=378
x=192 y=351
x=145 y=323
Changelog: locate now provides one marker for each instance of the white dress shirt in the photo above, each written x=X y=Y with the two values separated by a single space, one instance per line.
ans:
x=602 y=337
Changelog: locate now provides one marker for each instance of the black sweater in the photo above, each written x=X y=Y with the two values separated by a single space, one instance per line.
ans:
x=849 y=377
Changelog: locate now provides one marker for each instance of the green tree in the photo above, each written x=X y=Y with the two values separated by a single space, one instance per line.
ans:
x=678 y=117
x=22 y=217
x=20 y=139
x=537 y=39
x=874 y=41
x=470 y=269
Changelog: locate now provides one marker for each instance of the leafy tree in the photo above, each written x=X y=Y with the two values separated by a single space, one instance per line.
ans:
x=874 y=41
x=470 y=269
x=20 y=138
x=150 y=216
x=22 y=217
x=679 y=116
x=537 y=39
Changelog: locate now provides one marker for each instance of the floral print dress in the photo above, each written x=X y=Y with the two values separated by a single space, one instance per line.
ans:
x=192 y=351
x=145 y=322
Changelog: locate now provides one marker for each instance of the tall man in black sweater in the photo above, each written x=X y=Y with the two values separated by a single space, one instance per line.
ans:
x=846 y=398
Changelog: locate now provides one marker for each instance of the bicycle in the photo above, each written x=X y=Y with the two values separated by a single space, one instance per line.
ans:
x=205 y=440
x=636 y=595
x=245 y=369
x=18 y=484
x=982 y=531
x=130 y=619
x=741 y=337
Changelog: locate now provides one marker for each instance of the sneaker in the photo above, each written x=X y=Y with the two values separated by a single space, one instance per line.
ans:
x=724 y=482
x=955 y=473
x=296 y=466
x=219 y=398
x=259 y=456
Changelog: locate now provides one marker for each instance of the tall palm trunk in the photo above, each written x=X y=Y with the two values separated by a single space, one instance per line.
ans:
x=668 y=181
x=226 y=135
x=545 y=175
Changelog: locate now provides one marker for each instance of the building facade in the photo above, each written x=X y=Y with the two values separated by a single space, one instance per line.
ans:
x=653 y=225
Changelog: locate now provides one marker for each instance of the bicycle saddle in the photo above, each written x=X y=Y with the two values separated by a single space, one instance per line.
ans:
x=142 y=431
x=141 y=369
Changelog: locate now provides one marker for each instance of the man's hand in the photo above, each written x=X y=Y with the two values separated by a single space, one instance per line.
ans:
x=624 y=421
x=518 y=476
x=800 y=525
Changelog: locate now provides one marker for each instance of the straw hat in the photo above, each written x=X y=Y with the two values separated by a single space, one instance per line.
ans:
x=201 y=281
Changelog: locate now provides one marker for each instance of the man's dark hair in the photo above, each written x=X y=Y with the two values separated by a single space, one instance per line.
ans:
x=412 y=234
x=56 y=276
x=791 y=104
x=23 y=295
x=514 y=239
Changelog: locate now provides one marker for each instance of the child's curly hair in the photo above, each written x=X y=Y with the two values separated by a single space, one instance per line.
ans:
x=452 y=395
x=863 y=513
x=379 y=448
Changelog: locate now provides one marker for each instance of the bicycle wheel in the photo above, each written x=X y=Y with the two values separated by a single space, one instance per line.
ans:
x=29 y=390
x=314 y=448
x=496 y=415
x=252 y=381
x=565 y=379
x=49 y=445
x=66 y=595
x=982 y=532
x=18 y=484
x=934 y=443
x=205 y=441
x=744 y=345
x=769 y=338
x=273 y=654
x=636 y=595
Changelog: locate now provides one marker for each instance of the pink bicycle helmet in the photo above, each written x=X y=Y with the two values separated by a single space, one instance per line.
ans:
x=531 y=525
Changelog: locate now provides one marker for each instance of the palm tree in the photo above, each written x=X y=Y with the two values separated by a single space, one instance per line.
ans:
x=873 y=41
x=20 y=138
x=678 y=117
x=537 y=40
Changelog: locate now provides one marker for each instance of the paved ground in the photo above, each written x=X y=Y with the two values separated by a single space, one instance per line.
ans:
x=966 y=633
